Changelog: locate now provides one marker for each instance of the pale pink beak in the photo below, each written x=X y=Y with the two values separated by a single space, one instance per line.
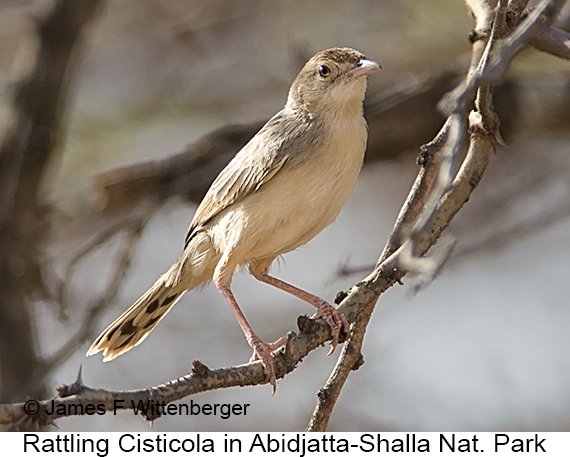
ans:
x=364 y=67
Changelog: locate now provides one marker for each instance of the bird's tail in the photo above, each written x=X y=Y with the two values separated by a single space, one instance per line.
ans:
x=131 y=328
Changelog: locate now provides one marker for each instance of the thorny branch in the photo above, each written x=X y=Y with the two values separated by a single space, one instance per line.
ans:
x=427 y=212
x=436 y=196
x=86 y=331
x=30 y=140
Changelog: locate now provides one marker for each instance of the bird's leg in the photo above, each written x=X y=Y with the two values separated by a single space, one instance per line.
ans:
x=336 y=320
x=261 y=351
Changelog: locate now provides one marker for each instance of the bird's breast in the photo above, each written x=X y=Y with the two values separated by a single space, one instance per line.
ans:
x=299 y=201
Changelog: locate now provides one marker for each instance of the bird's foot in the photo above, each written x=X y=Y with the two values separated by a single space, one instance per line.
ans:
x=262 y=351
x=336 y=321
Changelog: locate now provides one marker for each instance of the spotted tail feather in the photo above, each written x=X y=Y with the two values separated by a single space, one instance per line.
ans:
x=193 y=268
x=134 y=325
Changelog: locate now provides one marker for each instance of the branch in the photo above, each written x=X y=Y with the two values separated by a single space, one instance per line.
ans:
x=500 y=53
x=29 y=142
x=312 y=334
x=516 y=8
x=434 y=200
x=398 y=119
x=358 y=303
x=553 y=41
x=86 y=331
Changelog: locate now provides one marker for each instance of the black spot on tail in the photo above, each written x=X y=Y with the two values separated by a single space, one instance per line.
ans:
x=168 y=300
x=128 y=327
x=126 y=342
x=151 y=322
x=151 y=308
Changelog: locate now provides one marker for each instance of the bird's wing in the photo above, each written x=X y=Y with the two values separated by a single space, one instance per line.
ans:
x=253 y=166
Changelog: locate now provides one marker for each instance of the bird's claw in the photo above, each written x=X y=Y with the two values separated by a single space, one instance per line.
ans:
x=262 y=351
x=336 y=321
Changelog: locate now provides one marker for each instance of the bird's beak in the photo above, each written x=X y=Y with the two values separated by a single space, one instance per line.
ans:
x=364 y=67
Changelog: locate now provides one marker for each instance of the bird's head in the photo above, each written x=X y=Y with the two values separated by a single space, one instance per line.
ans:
x=334 y=79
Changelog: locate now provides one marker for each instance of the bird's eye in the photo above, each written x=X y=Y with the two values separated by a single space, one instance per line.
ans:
x=324 y=71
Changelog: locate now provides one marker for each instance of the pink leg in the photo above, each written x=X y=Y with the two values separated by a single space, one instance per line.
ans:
x=261 y=351
x=336 y=320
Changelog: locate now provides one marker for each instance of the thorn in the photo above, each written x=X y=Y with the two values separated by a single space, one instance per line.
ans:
x=79 y=379
x=75 y=388
x=305 y=324
x=340 y=296
x=499 y=139
x=323 y=394
x=199 y=369
x=151 y=417
x=359 y=362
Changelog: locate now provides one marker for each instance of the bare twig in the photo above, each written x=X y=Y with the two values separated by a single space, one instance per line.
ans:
x=86 y=330
x=482 y=12
x=388 y=272
x=516 y=8
x=435 y=189
x=442 y=198
x=29 y=142
x=135 y=190
x=455 y=144
x=499 y=54
x=312 y=333
x=553 y=41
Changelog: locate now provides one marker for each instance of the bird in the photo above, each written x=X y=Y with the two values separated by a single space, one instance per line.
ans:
x=286 y=185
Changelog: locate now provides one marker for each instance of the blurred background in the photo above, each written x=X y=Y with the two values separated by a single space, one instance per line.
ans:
x=483 y=348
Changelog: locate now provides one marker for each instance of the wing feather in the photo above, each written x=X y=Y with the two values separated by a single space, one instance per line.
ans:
x=254 y=165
